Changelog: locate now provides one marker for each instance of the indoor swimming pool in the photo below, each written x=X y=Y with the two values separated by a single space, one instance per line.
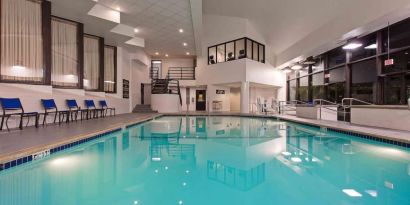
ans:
x=215 y=161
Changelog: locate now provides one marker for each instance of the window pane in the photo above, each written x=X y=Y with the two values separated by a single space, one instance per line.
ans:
x=318 y=66
x=212 y=55
x=392 y=90
x=255 y=51
x=364 y=78
x=368 y=49
x=21 y=41
x=303 y=89
x=292 y=90
x=240 y=48
x=91 y=63
x=399 y=35
x=220 y=53
x=407 y=87
x=261 y=53
x=109 y=69
x=336 y=57
x=337 y=75
x=304 y=71
x=248 y=48
x=401 y=62
x=336 y=92
x=230 y=53
x=64 y=71
x=291 y=75
x=318 y=88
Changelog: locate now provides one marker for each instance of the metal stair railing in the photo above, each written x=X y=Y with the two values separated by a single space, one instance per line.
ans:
x=323 y=104
x=181 y=73
x=166 y=86
x=348 y=105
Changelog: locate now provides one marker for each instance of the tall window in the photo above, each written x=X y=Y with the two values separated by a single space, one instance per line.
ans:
x=110 y=69
x=65 y=66
x=364 y=80
x=21 y=41
x=91 y=63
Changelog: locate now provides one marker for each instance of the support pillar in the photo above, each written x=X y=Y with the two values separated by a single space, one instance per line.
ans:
x=245 y=97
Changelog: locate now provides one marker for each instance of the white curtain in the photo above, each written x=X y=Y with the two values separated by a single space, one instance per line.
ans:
x=64 y=50
x=91 y=63
x=109 y=69
x=21 y=41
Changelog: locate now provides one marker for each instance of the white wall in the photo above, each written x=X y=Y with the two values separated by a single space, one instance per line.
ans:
x=235 y=99
x=225 y=98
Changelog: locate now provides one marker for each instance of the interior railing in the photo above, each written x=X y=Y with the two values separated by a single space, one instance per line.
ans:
x=166 y=86
x=154 y=73
x=284 y=106
x=181 y=73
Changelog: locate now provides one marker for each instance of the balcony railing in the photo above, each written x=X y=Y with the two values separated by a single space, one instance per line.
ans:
x=181 y=73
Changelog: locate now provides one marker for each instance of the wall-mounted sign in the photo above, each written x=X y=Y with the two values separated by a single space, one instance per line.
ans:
x=220 y=92
x=125 y=89
x=388 y=62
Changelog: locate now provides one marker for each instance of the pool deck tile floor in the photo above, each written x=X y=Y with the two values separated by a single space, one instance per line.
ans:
x=30 y=140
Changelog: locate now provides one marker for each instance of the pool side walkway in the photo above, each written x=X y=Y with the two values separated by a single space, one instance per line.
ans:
x=31 y=140
x=395 y=135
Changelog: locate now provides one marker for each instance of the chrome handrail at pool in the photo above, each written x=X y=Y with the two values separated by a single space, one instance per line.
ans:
x=291 y=104
x=322 y=103
x=349 y=105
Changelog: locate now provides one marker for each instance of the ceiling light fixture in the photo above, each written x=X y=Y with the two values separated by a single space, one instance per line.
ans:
x=136 y=30
x=352 y=46
x=372 y=46
x=156 y=53
x=166 y=55
x=187 y=53
x=296 y=67
x=309 y=61
x=185 y=44
x=287 y=70
x=118 y=8
x=181 y=30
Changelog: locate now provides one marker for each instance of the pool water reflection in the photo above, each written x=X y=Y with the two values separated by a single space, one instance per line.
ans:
x=215 y=160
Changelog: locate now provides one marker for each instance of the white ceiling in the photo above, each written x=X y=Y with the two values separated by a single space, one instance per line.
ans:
x=158 y=22
x=283 y=23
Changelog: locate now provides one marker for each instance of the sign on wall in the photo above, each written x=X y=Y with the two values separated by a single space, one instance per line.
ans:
x=220 y=92
x=125 y=89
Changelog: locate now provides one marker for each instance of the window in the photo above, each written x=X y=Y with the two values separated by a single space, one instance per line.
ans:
x=336 y=87
x=304 y=71
x=110 y=69
x=255 y=50
x=230 y=51
x=407 y=88
x=336 y=57
x=240 y=48
x=318 y=66
x=292 y=90
x=392 y=90
x=237 y=49
x=368 y=49
x=249 y=48
x=364 y=80
x=91 y=63
x=337 y=75
x=220 y=55
x=399 y=35
x=401 y=62
x=212 y=55
x=22 y=42
x=318 y=88
x=303 y=89
x=65 y=66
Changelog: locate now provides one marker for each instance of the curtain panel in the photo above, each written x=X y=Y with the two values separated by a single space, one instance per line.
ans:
x=64 y=71
x=21 y=41
x=91 y=63
x=109 y=69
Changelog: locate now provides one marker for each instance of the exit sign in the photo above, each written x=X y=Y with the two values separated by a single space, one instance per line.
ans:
x=388 y=62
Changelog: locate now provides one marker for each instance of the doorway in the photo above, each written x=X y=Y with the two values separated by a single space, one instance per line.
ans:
x=200 y=100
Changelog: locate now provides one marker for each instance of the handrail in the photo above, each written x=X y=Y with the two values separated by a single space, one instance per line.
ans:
x=288 y=104
x=321 y=101
x=181 y=73
x=351 y=100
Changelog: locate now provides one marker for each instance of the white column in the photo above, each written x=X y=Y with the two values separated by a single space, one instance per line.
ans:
x=244 y=97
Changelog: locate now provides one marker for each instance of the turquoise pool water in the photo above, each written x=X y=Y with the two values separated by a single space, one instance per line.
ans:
x=212 y=161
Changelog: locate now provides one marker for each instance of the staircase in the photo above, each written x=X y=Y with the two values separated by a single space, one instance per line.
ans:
x=143 y=109
x=166 y=86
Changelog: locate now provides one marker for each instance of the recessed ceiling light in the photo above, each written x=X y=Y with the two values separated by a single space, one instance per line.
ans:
x=95 y=0
x=118 y=8
x=352 y=46
x=185 y=44
x=187 y=53
x=156 y=53
x=181 y=30
x=166 y=55
x=136 y=30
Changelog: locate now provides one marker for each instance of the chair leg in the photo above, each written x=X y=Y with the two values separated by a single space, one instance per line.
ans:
x=55 y=117
x=37 y=119
x=7 y=125
x=44 y=118
x=21 y=122
x=2 y=121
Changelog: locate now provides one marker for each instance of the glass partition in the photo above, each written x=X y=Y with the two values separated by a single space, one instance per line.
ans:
x=236 y=49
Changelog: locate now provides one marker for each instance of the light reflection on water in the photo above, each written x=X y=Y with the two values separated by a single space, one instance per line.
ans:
x=215 y=160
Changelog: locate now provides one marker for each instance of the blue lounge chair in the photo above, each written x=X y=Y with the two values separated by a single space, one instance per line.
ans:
x=105 y=107
x=13 y=106
x=50 y=107
x=93 y=110
x=74 y=109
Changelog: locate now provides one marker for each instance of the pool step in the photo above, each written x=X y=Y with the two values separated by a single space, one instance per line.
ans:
x=143 y=109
